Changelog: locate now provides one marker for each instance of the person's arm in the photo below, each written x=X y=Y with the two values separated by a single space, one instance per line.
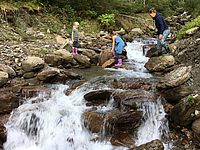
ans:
x=72 y=36
x=161 y=26
x=113 y=42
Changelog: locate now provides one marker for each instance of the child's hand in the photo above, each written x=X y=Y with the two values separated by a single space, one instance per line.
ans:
x=70 y=42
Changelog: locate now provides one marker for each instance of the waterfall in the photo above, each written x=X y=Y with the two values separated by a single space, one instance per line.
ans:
x=55 y=122
x=154 y=124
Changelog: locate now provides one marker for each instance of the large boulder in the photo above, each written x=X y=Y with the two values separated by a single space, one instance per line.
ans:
x=3 y=78
x=156 y=64
x=93 y=121
x=108 y=63
x=174 y=95
x=32 y=63
x=129 y=99
x=91 y=54
x=104 y=56
x=60 y=40
x=123 y=121
x=11 y=72
x=186 y=111
x=59 y=57
x=175 y=78
x=119 y=121
x=48 y=74
x=83 y=60
x=98 y=97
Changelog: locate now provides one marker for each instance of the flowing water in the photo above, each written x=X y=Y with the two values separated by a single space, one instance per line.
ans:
x=55 y=123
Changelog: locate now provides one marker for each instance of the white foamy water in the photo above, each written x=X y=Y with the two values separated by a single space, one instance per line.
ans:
x=154 y=124
x=54 y=124
x=136 y=59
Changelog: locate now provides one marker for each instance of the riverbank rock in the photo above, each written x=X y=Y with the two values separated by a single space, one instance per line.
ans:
x=123 y=121
x=196 y=128
x=48 y=74
x=105 y=55
x=129 y=99
x=91 y=54
x=187 y=52
x=98 y=97
x=32 y=64
x=83 y=60
x=93 y=121
x=122 y=139
x=156 y=64
x=129 y=83
x=113 y=122
x=73 y=86
x=108 y=63
x=174 y=95
x=59 y=57
x=3 y=78
x=33 y=91
x=186 y=111
x=175 y=78
x=11 y=72
x=192 y=31
x=8 y=101
x=3 y=120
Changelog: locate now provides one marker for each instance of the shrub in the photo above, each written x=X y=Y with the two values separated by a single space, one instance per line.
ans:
x=106 y=20
x=189 y=25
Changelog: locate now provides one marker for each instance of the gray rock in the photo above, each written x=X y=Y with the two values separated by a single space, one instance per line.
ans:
x=3 y=78
x=32 y=63
x=175 y=78
x=48 y=74
x=156 y=64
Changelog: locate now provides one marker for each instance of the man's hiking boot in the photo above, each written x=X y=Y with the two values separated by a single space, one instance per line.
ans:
x=159 y=53
x=167 y=50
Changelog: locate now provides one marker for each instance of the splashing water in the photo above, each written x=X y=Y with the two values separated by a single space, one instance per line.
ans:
x=154 y=125
x=54 y=124
x=136 y=59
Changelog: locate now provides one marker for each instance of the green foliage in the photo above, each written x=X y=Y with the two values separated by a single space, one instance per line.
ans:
x=194 y=23
x=106 y=20
x=89 y=26
x=91 y=14
x=193 y=6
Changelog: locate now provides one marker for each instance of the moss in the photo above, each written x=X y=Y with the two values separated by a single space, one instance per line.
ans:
x=194 y=23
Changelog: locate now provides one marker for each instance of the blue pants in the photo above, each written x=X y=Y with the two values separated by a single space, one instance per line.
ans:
x=161 y=43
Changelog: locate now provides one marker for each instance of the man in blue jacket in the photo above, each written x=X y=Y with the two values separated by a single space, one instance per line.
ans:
x=163 y=31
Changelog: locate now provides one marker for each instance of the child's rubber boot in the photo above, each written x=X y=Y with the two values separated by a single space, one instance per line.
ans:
x=75 y=51
x=119 y=62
